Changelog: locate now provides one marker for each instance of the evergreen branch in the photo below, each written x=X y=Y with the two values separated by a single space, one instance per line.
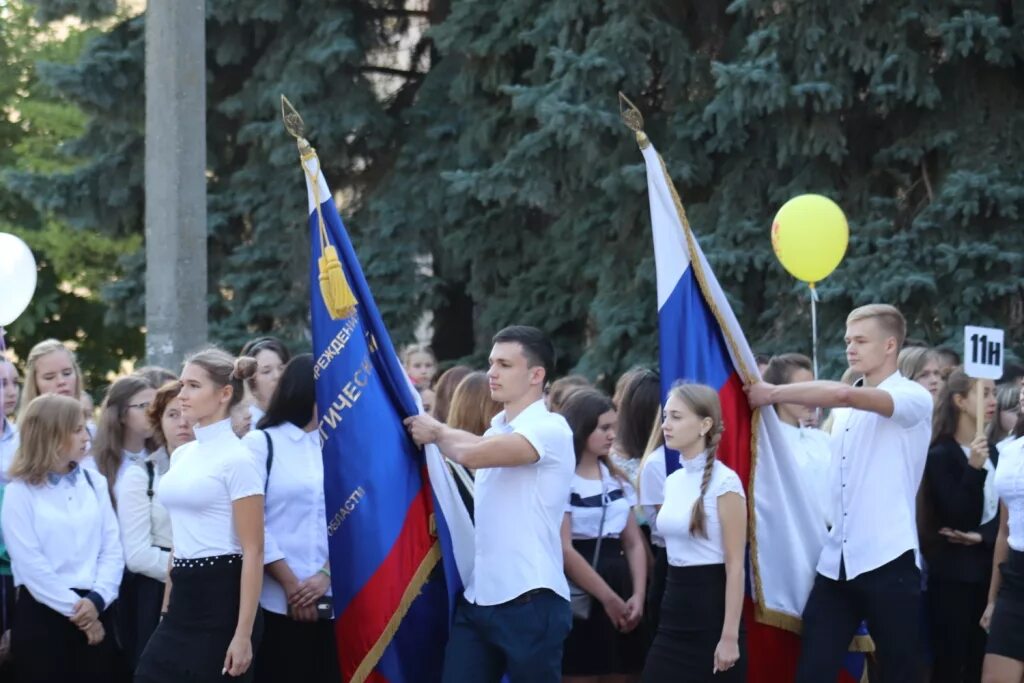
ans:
x=404 y=73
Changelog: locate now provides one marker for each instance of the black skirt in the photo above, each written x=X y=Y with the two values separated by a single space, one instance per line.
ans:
x=594 y=646
x=297 y=651
x=689 y=629
x=137 y=613
x=46 y=646
x=1006 y=632
x=190 y=644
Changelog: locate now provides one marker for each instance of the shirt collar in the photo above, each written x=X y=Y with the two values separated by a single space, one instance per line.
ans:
x=213 y=431
x=291 y=431
x=536 y=406
x=9 y=429
x=54 y=478
x=693 y=465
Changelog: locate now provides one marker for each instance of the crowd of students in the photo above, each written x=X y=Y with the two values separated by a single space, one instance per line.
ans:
x=182 y=535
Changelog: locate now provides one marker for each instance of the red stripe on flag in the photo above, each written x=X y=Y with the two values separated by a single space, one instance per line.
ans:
x=734 y=450
x=361 y=624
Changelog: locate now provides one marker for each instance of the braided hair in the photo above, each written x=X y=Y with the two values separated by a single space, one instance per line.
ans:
x=703 y=401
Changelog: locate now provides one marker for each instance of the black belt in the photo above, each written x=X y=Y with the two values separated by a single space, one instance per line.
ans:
x=527 y=596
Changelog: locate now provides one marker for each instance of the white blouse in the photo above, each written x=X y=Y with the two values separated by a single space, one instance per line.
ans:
x=584 y=505
x=682 y=489
x=145 y=524
x=62 y=535
x=652 y=491
x=1010 y=487
x=296 y=521
x=207 y=476
x=813 y=456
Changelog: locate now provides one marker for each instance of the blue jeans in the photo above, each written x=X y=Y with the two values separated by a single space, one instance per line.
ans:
x=522 y=638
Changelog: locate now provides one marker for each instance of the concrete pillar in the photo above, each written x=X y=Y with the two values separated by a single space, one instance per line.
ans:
x=176 y=279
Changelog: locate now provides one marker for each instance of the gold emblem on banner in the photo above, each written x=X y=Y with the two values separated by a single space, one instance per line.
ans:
x=337 y=294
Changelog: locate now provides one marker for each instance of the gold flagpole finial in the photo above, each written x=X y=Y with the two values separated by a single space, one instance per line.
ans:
x=294 y=124
x=633 y=119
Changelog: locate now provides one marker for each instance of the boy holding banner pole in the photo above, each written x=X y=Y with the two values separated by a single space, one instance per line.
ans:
x=867 y=569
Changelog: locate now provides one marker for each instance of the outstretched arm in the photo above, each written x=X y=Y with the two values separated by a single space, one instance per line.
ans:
x=822 y=394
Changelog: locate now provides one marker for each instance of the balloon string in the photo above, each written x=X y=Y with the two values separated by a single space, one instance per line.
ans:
x=814 y=328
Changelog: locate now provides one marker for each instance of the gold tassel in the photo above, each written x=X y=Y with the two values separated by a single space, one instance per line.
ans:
x=333 y=286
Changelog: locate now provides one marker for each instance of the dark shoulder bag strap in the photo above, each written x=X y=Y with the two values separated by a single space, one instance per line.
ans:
x=151 y=475
x=270 y=457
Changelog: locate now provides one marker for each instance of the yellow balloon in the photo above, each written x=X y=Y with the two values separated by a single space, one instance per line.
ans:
x=809 y=236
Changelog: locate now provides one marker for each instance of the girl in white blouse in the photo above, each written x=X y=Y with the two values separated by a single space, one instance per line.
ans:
x=145 y=525
x=124 y=434
x=62 y=537
x=214 y=495
x=704 y=521
x=298 y=636
x=604 y=551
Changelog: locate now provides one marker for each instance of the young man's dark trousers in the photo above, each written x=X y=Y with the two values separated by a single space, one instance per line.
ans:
x=888 y=598
x=522 y=637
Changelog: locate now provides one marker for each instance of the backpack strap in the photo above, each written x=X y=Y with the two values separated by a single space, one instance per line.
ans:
x=270 y=458
x=151 y=475
x=85 y=471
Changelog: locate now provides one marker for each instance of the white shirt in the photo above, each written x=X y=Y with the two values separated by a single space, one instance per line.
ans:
x=519 y=512
x=8 y=445
x=63 y=536
x=296 y=520
x=652 y=490
x=585 y=500
x=145 y=524
x=1010 y=487
x=682 y=488
x=813 y=456
x=1005 y=443
x=129 y=458
x=208 y=474
x=877 y=465
x=255 y=414
x=990 y=506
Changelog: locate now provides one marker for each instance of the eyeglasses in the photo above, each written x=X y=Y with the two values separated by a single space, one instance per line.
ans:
x=140 y=406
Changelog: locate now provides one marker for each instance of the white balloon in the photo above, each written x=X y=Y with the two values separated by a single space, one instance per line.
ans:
x=17 y=277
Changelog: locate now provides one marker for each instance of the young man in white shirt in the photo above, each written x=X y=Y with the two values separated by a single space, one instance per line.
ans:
x=515 y=614
x=867 y=568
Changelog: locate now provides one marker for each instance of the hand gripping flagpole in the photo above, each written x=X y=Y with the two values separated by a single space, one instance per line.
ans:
x=337 y=293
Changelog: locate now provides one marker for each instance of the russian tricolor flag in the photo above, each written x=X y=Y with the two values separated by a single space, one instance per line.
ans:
x=701 y=341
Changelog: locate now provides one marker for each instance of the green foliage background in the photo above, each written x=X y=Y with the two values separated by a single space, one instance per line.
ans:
x=485 y=175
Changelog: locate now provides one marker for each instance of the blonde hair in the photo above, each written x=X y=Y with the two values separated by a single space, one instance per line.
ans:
x=889 y=319
x=703 y=401
x=913 y=359
x=30 y=390
x=45 y=427
x=472 y=407
x=413 y=349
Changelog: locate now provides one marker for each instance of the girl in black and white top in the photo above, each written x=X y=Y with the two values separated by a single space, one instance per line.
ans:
x=609 y=643
x=704 y=522
x=62 y=537
x=298 y=637
x=145 y=526
x=214 y=495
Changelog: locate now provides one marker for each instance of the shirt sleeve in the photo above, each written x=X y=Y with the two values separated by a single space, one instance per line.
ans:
x=544 y=435
x=912 y=404
x=256 y=442
x=652 y=480
x=730 y=483
x=110 y=564
x=31 y=568
x=242 y=477
x=134 y=513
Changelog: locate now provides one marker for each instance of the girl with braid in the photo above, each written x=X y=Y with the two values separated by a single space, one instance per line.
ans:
x=704 y=521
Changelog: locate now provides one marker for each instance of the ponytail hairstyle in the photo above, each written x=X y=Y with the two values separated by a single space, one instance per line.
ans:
x=947 y=414
x=108 y=449
x=582 y=409
x=702 y=400
x=225 y=370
